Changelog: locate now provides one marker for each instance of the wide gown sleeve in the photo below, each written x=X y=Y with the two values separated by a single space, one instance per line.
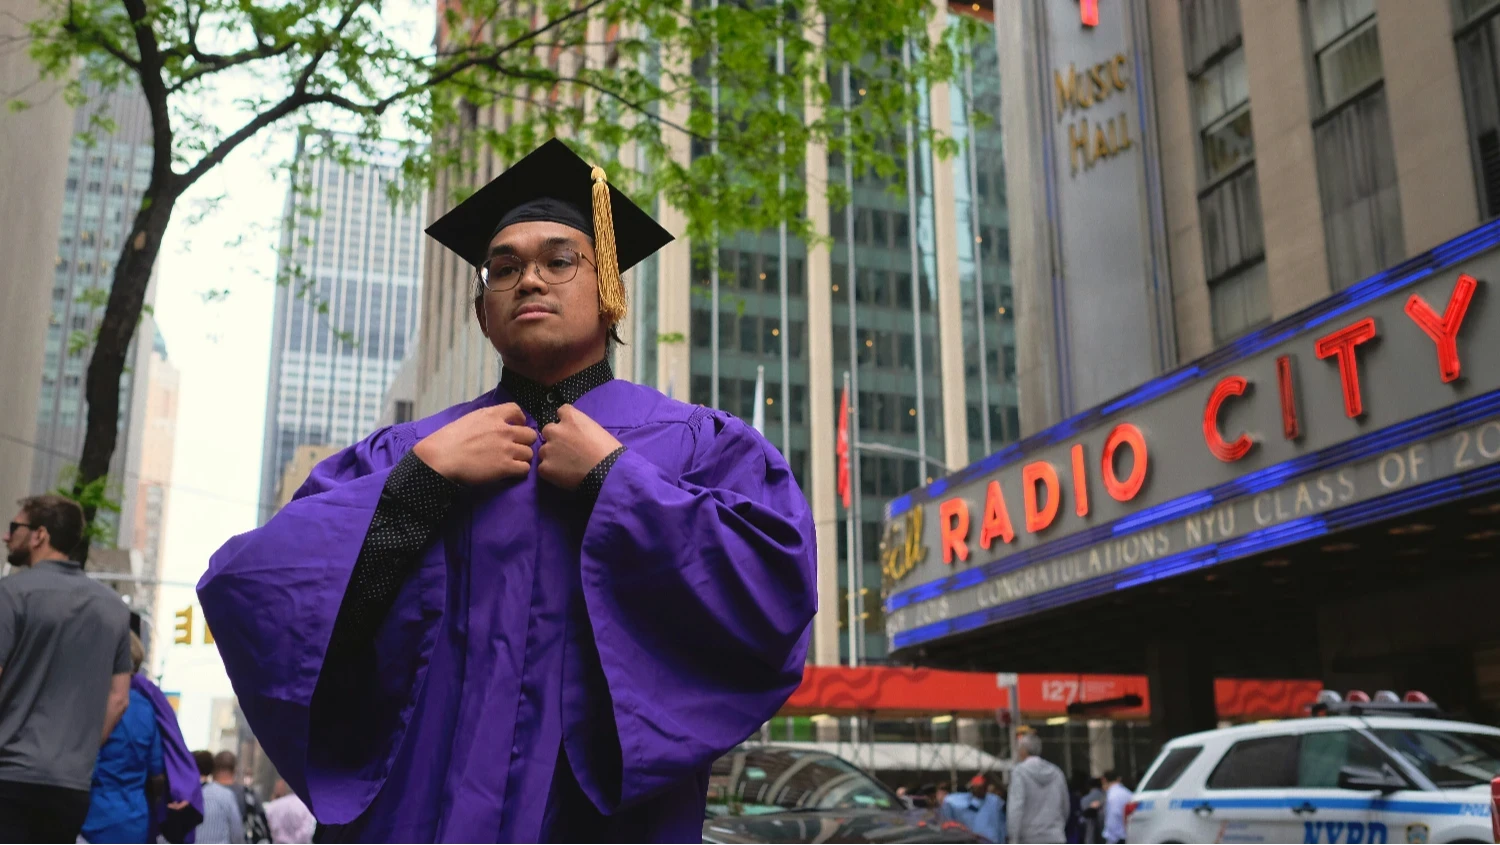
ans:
x=700 y=591
x=272 y=597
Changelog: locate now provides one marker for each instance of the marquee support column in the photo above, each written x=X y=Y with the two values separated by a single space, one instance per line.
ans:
x=822 y=475
x=1180 y=679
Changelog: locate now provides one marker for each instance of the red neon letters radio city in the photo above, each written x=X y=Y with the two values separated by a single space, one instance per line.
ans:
x=1041 y=484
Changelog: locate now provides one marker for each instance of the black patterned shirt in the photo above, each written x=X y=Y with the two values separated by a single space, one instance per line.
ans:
x=416 y=499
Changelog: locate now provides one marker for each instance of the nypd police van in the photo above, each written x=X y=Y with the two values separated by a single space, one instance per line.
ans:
x=1369 y=771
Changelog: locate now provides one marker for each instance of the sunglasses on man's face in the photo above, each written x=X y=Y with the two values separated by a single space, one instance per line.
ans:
x=15 y=525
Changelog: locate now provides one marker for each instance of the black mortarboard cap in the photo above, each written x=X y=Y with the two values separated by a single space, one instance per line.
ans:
x=553 y=183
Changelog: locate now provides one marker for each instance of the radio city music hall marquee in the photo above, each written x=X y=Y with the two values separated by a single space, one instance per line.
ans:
x=1362 y=406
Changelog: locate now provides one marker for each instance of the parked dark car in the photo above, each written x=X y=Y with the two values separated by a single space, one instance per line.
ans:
x=768 y=793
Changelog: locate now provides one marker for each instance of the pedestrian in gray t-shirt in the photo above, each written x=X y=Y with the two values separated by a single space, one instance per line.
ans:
x=64 y=674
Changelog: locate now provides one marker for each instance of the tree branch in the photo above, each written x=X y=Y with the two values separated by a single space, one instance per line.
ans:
x=98 y=37
x=155 y=91
x=641 y=108
x=297 y=99
x=480 y=59
x=211 y=63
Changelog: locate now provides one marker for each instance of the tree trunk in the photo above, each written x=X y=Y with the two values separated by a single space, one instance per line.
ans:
x=122 y=315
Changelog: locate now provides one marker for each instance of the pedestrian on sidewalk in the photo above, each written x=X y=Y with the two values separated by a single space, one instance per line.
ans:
x=252 y=812
x=222 y=822
x=1039 y=802
x=539 y=615
x=178 y=813
x=64 y=674
x=979 y=809
x=1092 y=806
x=1116 y=796
x=291 y=821
x=130 y=775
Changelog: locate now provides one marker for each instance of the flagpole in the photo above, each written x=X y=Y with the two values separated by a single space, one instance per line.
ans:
x=713 y=261
x=849 y=529
x=855 y=490
x=758 y=415
x=781 y=269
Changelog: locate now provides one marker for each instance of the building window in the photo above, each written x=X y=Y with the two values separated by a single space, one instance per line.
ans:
x=1479 y=71
x=1229 y=200
x=1346 y=48
x=1229 y=213
x=1352 y=137
x=1221 y=94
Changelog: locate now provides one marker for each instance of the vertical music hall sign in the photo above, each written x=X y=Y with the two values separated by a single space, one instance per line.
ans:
x=1110 y=285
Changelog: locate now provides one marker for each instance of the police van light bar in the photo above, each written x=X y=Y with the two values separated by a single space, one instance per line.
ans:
x=1359 y=703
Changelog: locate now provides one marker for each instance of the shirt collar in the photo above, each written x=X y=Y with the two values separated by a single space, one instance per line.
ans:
x=59 y=565
x=542 y=402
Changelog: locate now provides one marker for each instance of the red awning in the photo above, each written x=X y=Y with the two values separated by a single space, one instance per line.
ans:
x=895 y=692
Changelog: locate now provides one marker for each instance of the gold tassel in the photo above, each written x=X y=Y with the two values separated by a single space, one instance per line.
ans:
x=611 y=289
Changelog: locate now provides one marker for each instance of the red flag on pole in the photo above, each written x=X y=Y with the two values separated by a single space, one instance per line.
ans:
x=843 y=448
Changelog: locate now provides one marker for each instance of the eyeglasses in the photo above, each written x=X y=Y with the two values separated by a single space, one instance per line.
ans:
x=555 y=267
x=15 y=525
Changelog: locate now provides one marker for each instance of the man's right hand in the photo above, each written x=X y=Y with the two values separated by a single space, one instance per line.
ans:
x=480 y=447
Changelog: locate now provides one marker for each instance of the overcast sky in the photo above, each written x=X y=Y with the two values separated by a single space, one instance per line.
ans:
x=222 y=350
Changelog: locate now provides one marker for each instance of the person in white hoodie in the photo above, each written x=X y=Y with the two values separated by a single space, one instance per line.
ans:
x=1038 y=805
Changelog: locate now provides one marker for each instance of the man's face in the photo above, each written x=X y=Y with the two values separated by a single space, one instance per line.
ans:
x=18 y=542
x=977 y=790
x=534 y=319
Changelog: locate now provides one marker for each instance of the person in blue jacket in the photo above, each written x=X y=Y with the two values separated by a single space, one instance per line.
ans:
x=130 y=776
x=979 y=809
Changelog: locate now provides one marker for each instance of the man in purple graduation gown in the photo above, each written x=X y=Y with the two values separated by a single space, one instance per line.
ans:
x=461 y=631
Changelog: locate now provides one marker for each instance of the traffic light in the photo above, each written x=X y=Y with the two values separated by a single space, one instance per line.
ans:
x=184 y=627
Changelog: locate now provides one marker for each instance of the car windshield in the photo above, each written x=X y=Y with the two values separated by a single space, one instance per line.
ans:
x=1450 y=759
x=755 y=781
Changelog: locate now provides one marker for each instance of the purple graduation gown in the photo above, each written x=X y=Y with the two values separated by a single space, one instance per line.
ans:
x=546 y=672
x=183 y=783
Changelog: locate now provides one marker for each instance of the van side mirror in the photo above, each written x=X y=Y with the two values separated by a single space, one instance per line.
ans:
x=1366 y=778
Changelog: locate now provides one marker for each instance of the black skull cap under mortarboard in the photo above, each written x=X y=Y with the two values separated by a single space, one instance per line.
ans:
x=552 y=183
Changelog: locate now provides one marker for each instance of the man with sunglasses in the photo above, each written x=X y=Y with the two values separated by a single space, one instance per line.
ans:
x=539 y=615
x=65 y=671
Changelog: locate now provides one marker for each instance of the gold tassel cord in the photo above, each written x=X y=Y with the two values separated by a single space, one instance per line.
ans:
x=611 y=289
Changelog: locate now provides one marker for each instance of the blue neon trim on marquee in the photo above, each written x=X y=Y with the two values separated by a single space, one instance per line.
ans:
x=1471 y=483
x=1408 y=272
x=1268 y=478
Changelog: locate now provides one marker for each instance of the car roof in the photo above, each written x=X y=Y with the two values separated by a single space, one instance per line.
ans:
x=1311 y=723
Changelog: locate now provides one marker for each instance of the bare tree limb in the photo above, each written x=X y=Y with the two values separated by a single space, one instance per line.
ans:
x=481 y=58
x=211 y=63
x=297 y=99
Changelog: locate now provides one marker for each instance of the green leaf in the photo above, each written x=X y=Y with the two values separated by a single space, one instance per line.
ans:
x=468 y=107
x=79 y=340
x=671 y=338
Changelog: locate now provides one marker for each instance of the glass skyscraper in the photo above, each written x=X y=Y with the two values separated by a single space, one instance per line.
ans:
x=892 y=294
x=105 y=181
x=930 y=280
x=346 y=312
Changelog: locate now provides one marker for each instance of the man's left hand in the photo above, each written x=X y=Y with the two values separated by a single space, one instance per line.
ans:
x=571 y=447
